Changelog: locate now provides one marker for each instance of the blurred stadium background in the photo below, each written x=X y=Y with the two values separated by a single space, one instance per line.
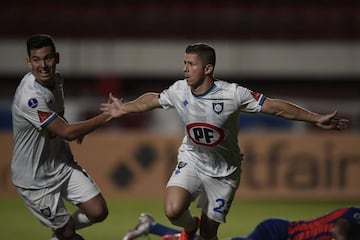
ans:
x=303 y=51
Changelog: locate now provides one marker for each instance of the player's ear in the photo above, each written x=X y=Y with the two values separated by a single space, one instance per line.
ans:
x=57 y=58
x=28 y=63
x=209 y=69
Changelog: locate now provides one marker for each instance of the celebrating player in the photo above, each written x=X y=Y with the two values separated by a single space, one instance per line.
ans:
x=43 y=168
x=340 y=224
x=209 y=158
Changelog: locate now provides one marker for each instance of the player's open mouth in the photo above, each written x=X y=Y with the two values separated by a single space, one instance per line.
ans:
x=44 y=73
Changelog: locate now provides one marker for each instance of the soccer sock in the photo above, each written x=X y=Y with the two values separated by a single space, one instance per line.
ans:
x=161 y=230
x=81 y=220
x=186 y=221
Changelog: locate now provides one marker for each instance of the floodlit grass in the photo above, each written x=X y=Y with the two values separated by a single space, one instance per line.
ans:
x=17 y=223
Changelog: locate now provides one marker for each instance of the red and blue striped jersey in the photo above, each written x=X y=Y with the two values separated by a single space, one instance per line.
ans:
x=320 y=228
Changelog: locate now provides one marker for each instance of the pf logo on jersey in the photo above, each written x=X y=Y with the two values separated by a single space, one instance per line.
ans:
x=205 y=134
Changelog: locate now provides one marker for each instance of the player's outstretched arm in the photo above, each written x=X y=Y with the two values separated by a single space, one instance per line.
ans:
x=117 y=107
x=114 y=107
x=77 y=130
x=331 y=121
x=291 y=111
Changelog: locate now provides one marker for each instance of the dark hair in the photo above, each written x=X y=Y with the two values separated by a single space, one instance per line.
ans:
x=205 y=52
x=38 y=41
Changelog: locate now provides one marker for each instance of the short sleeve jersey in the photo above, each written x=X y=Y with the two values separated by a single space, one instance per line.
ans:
x=40 y=159
x=211 y=123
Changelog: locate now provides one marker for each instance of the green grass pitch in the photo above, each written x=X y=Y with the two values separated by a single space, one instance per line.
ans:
x=17 y=223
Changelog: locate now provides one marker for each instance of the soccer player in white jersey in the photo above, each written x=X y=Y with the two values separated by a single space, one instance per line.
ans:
x=209 y=159
x=43 y=168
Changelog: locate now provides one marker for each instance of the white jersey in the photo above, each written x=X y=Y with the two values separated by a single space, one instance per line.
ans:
x=40 y=159
x=211 y=124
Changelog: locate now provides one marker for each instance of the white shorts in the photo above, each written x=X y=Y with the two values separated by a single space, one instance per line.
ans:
x=48 y=204
x=215 y=194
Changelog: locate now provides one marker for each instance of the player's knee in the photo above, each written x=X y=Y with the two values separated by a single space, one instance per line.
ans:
x=99 y=214
x=177 y=200
x=173 y=211
x=101 y=217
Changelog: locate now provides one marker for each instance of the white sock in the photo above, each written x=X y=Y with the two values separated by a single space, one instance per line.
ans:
x=81 y=220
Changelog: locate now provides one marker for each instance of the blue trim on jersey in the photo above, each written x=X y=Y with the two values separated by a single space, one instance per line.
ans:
x=49 y=120
x=207 y=92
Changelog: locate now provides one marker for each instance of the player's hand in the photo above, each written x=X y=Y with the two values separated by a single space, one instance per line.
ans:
x=114 y=107
x=332 y=122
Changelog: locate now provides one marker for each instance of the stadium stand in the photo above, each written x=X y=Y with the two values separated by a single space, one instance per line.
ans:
x=246 y=20
x=227 y=19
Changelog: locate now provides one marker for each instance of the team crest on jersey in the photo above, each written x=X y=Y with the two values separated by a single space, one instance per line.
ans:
x=46 y=212
x=218 y=107
x=33 y=102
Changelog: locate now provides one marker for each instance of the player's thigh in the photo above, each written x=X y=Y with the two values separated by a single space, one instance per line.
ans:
x=177 y=200
x=83 y=192
x=182 y=188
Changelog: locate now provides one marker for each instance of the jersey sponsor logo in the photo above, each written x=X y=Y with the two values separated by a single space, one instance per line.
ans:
x=218 y=107
x=33 y=102
x=205 y=134
x=43 y=116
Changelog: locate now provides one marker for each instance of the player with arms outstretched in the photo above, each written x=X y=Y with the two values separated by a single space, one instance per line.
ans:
x=209 y=158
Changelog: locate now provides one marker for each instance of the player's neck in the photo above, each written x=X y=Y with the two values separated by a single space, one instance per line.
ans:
x=48 y=84
x=204 y=87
